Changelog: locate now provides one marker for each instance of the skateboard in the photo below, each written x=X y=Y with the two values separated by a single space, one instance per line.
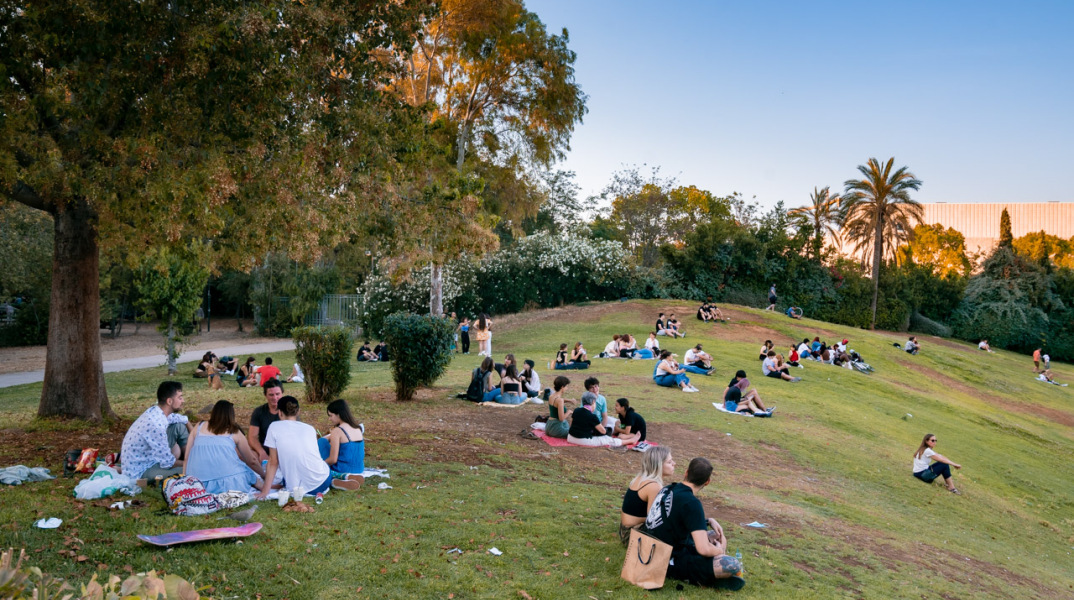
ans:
x=201 y=535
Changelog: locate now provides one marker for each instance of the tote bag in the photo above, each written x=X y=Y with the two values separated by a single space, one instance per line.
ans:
x=646 y=563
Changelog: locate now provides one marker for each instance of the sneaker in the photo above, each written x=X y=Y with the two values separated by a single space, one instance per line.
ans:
x=355 y=477
x=801 y=367
x=689 y=389
x=955 y=491
x=732 y=583
x=770 y=411
x=795 y=379
x=346 y=484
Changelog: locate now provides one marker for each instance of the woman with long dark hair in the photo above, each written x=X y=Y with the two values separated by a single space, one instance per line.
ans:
x=219 y=456
x=482 y=334
x=343 y=448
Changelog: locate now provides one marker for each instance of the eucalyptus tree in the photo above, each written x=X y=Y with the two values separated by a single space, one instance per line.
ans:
x=875 y=209
x=254 y=126
x=492 y=72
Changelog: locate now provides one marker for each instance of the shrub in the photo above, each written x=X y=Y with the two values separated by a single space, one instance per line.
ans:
x=19 y=582
x=922 y=324
x=420 y=350
x=325 y=357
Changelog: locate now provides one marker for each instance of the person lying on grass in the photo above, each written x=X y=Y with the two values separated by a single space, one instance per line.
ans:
x=737 y=399
x=668 y=373
x=940 y=467
x=343 y=447
x=586 y=429
x=630 y=423
x=772 y=368
x=698 y=361
x=656 y=466
x=698 y=545
x=1046 y=376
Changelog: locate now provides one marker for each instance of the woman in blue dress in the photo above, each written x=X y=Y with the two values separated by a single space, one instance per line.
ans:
x=343 y=448
x=219 y=456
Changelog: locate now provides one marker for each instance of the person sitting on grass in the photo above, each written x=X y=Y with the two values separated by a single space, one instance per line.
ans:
x=927 y=472
x=267 y=372
x=557 y=425
x=366 y=354
x=677 y=518
x=630 y=423
x=668 y=373
x=510 y=390
x=296 y=376
x=219 y=456
x=703 y=313
x=579 y=355
x=983 y=345
x=293 y=452
x=771 y=368
x=381 y=350
x=698 y=361
x=600 y=406
x=912 y=347
x=651 y=349
x=736 y=398
x=612 y=349
x=489 y=392
x=717 y=314
x=263 y=416
x=480 y=382
x=794 y=312
x=343 y=447
x=792 y=359
x=673 y=325
x=202 y=370
x=245 y=375
x=564 y=362
x=804 y=351
x=765 y=349
x=155 y=444
x=628 y=346
x=656 y=465
x=586 y=429
x=1046 y=376
x=662 y=327
x=531 y=381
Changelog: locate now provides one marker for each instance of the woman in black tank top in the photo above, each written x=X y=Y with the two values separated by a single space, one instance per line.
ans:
x=656 y=467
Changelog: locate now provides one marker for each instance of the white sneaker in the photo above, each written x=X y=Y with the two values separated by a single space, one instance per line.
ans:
x=688 y=389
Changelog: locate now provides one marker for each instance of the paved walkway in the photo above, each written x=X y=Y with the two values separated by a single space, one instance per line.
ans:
x=156 y=360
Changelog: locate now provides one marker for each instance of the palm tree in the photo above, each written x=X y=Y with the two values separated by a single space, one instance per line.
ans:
x=823 y=215
x=877 y=208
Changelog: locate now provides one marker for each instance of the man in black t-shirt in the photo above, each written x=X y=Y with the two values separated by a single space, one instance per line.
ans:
x=678 y=519
x=263 y=416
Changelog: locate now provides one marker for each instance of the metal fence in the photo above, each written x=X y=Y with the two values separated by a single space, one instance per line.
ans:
x=337 y=310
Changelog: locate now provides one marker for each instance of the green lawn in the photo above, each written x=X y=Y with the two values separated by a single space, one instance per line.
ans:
x=830 y=474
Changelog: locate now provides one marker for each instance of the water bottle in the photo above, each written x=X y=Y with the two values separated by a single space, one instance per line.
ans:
x=741 y=569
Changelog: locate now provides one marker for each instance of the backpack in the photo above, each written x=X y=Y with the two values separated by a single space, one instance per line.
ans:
x=474 y=392
x=185 y=495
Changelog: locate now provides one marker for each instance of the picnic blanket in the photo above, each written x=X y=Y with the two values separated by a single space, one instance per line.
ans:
x=560 y=442
x=719 y=407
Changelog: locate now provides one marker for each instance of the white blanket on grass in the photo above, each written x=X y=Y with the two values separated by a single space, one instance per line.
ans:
x=720 y=408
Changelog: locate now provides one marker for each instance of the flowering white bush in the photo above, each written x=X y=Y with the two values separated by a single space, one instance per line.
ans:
x=543 y=269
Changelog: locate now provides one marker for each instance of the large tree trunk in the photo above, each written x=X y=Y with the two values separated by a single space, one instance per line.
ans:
x=74 y=376
x=436 y=290
x=878 y=254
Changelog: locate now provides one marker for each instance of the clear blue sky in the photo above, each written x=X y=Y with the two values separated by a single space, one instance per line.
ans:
x=773 y=98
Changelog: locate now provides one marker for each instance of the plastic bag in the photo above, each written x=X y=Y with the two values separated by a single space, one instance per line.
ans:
x=105 y=481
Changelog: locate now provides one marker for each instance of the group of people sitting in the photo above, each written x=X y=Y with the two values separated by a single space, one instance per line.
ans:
x=277 y=451
x=669 y=373
x=248 y=375
x=710 y=312
x=838 y=354
x=590 y=424
x=514 y=388
x=669 y=327
x=379 y=353
x=574 y=359
x=625 y=346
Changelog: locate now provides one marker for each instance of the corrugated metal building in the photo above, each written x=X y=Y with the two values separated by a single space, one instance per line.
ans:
x=980 y=222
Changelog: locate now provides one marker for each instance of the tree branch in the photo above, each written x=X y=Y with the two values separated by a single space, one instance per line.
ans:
x=24 y=194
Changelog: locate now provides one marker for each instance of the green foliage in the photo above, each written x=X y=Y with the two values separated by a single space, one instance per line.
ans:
x=419 y=348
x=1046 y=250
x=1006 y=237
x=1007 y=303
x=942 y=249
x=25 y=583
x=284 y=291
x=170 y=284
x=324 y=353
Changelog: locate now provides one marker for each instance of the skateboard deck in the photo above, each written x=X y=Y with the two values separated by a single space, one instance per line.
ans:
x=201 y=535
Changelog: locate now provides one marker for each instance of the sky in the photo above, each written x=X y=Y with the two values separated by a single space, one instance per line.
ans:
x=772 y=99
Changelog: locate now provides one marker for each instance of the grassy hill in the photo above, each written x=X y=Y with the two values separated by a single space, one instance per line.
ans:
x=830 y=475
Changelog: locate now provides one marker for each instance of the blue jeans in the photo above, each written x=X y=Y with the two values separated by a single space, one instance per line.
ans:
x=698 y=370
x=644 y=353
x=493 y=396
x=669 y=380
x=510 y=398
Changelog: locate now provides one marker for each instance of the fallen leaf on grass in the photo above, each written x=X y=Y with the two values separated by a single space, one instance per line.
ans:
x=81 y=558
x=524 y=595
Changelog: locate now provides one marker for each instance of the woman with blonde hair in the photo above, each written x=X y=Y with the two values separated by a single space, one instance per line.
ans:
x=657 y=466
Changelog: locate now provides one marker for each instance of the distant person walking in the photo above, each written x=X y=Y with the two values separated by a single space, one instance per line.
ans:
x=772 y=298
x=1036 y=360
x=941 y=467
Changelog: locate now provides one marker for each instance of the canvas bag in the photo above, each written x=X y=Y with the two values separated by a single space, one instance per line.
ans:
x=646 y=562
x=185 y=495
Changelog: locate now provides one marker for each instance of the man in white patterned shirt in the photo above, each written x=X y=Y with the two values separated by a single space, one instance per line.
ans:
x=154 y=444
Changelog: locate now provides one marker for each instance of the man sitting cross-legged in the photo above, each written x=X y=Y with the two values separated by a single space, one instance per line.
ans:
x=771 y=368
x=155 y=442
x=698 y=545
